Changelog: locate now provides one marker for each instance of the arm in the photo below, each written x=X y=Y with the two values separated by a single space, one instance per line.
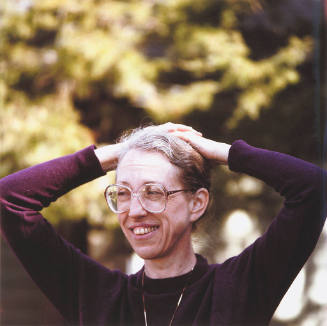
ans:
x=264 y=271
x=52 y=262
x=270 y=264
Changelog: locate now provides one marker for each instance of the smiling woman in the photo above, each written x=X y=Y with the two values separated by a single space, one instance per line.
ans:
x=169 y=243
x=161 y=190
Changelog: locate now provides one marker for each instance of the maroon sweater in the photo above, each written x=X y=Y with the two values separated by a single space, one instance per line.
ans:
x=244 y=290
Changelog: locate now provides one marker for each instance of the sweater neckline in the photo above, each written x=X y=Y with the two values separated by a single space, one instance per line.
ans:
x=173 y=284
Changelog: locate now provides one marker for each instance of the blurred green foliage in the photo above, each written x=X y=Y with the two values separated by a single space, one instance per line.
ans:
x=168 y=58
x=67 y=64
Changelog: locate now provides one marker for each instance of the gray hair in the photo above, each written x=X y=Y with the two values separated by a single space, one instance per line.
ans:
x=194 y=168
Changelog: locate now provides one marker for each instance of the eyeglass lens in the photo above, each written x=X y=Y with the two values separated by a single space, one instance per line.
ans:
x=151 y=196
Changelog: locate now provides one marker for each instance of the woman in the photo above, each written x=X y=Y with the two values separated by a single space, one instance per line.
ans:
x=161 y=190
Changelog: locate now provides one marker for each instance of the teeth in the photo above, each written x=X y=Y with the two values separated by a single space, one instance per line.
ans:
x=141 y=231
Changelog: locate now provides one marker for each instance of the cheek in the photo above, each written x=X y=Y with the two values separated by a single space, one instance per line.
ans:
x=179 y=213
x=121 y=220
x=183 y=202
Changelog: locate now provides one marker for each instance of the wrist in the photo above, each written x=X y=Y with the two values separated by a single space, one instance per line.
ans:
x=222 y=153
x=108 y=156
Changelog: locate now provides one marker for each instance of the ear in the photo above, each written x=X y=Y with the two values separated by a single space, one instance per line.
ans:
x=198 y=203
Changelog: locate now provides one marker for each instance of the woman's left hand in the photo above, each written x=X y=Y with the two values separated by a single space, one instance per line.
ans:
x=208 y=148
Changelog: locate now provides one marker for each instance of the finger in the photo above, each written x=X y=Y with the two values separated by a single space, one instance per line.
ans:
x=188 y=136
x=190 y=130
x=171 y=127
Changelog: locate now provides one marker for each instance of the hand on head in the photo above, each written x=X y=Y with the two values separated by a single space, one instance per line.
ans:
x=208 y=148
x=211 y=150
x=177 y=127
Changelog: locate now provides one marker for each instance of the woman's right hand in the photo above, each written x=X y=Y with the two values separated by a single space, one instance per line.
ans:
x=108 y=156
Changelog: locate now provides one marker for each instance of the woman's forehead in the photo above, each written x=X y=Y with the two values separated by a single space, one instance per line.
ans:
x=147 y=166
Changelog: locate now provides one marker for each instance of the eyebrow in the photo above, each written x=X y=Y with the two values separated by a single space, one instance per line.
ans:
x=143 y=183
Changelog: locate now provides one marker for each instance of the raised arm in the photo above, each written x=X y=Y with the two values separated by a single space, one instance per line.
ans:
x=55 y=265
x=264 y=271
x=267 y=268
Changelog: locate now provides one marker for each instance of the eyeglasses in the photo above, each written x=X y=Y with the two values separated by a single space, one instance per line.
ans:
x=152 y=196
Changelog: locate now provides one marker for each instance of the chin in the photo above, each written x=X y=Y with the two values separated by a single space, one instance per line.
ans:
x=146 y=253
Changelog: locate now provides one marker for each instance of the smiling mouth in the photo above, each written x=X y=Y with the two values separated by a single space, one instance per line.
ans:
x=144 y=230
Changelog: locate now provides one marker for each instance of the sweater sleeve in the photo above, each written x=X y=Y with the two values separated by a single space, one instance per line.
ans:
x=52 y=262
x=267 y=268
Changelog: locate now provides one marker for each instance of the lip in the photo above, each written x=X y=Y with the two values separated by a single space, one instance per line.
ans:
x=141 y=227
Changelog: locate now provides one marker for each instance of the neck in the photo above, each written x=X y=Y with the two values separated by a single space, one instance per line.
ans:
x=180 y=263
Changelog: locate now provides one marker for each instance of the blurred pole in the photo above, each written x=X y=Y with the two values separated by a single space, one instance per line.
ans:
x=320 y=87
x=324 y=69
x=318 y=100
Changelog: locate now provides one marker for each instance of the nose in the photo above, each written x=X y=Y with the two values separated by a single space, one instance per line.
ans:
x=136 y=209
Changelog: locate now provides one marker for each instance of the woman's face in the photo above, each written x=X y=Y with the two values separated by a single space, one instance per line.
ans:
x=154 y=235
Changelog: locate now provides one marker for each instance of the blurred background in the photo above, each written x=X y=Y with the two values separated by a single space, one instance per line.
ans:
x=77 y=72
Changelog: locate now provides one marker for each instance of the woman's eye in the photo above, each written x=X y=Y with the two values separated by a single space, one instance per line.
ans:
x=150 y=191
x=153 y=192
x=122 y=193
